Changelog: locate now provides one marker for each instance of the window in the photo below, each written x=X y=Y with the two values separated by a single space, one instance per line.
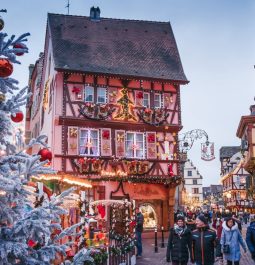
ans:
x=135 y=145
x=157 y=100
x=146 y=99
x=195 y=190
x=101 y=95
x=189 y=173
x=89 y=94
x=89 y=142
x=194 y=181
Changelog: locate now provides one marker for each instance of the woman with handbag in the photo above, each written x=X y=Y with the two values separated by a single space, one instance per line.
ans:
x=231 y=239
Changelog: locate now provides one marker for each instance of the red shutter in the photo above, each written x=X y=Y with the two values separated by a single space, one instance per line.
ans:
x=120 y=143
x=106 y=140
x=139 y=98
x=151 y=145
x=72 y=140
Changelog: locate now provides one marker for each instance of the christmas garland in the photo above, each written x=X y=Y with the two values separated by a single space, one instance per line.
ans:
x=154 y=117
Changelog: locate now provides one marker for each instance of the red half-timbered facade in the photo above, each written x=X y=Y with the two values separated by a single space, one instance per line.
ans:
x=110 y=106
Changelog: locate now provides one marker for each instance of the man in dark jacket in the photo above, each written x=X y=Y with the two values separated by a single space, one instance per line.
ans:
x=250 y=238
x=203 y=243
x=179 y=243
x=138 y=232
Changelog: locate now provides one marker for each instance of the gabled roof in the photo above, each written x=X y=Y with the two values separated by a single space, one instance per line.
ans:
x=228 y=151
x=115 y=46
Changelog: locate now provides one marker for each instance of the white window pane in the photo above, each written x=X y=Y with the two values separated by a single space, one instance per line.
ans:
x=139 y=137
x=101 y=95
x=157 y=101
x=139 y=153
x=146 y=100
x=130 y=136
x=89 y=94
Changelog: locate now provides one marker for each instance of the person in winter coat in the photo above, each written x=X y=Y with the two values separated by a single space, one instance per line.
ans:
x=217 y=225
x=138 y=232
x=203 y=243
x=250 y=238
x=179 y=243
x=231 y=236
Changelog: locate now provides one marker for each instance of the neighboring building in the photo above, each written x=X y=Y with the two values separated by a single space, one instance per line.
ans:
x=193 y=185
x=246 y=132
x=213 y=196
x=108 y=98
x=233 y=178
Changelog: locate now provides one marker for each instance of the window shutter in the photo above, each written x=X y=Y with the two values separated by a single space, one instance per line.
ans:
x=120 y=143
x=151 y=145
x=168 y=100
x=106 y=140
x=72 y=140
x=139 y=98
x=76 y=92
x=112 y=95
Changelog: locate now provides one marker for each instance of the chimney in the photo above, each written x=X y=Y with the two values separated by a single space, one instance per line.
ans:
x=95 y=13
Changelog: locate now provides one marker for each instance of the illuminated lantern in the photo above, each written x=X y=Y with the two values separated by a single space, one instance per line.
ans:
x=19 y=46
x=18 y=118
x=6 y=68
x=45 y=154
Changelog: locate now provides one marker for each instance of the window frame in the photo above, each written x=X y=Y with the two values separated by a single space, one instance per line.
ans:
x=189 y=173
x=194 y=182
x=146 y=93
x=105 y=95
x=93 y=94
x=134 y=143
x=89 y=140
x=160 y=100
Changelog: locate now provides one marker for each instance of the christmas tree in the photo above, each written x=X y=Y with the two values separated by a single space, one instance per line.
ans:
x=27 y=234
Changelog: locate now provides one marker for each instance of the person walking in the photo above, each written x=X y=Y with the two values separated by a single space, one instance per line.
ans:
x=217 y=225
x=250 y=238
x=191 y=222
x=203 y=242
x=179 y=243
x=138 y=231
x=231 y=239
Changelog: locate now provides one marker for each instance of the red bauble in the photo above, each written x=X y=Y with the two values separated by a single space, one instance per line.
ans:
x=6 y=67
x=19 y=46
x=106 y=135
x=18 y=118
x=45 y=154
x=31 y=243
x=101 y=210
x=139 y=95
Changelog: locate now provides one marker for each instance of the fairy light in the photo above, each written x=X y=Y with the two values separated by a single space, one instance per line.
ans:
x=66 y=179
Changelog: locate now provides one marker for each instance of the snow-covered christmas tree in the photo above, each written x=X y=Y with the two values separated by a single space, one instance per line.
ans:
x=27 y=234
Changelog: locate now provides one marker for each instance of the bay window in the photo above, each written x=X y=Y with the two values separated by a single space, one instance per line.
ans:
x=89 y=142
x=134 y=145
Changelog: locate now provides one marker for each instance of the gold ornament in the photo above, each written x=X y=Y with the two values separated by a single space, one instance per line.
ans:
x=2 y=97
x=73 y=146
x=73 y=132
x=120 y=138
x=106 y=147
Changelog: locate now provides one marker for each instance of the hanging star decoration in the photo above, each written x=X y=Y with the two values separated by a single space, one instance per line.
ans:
x=126 y=111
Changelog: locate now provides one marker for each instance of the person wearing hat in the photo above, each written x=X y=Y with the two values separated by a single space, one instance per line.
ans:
x=231 y=239
x=179 y=243
x=250 y=238
x=203 y=242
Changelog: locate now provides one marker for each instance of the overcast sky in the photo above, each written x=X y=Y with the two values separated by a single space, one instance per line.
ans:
x=216 y=41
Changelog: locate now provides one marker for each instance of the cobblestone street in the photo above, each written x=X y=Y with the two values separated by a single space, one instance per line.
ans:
x=151 y=258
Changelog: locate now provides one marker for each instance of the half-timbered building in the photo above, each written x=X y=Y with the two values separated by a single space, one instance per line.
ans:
x=108 y=98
